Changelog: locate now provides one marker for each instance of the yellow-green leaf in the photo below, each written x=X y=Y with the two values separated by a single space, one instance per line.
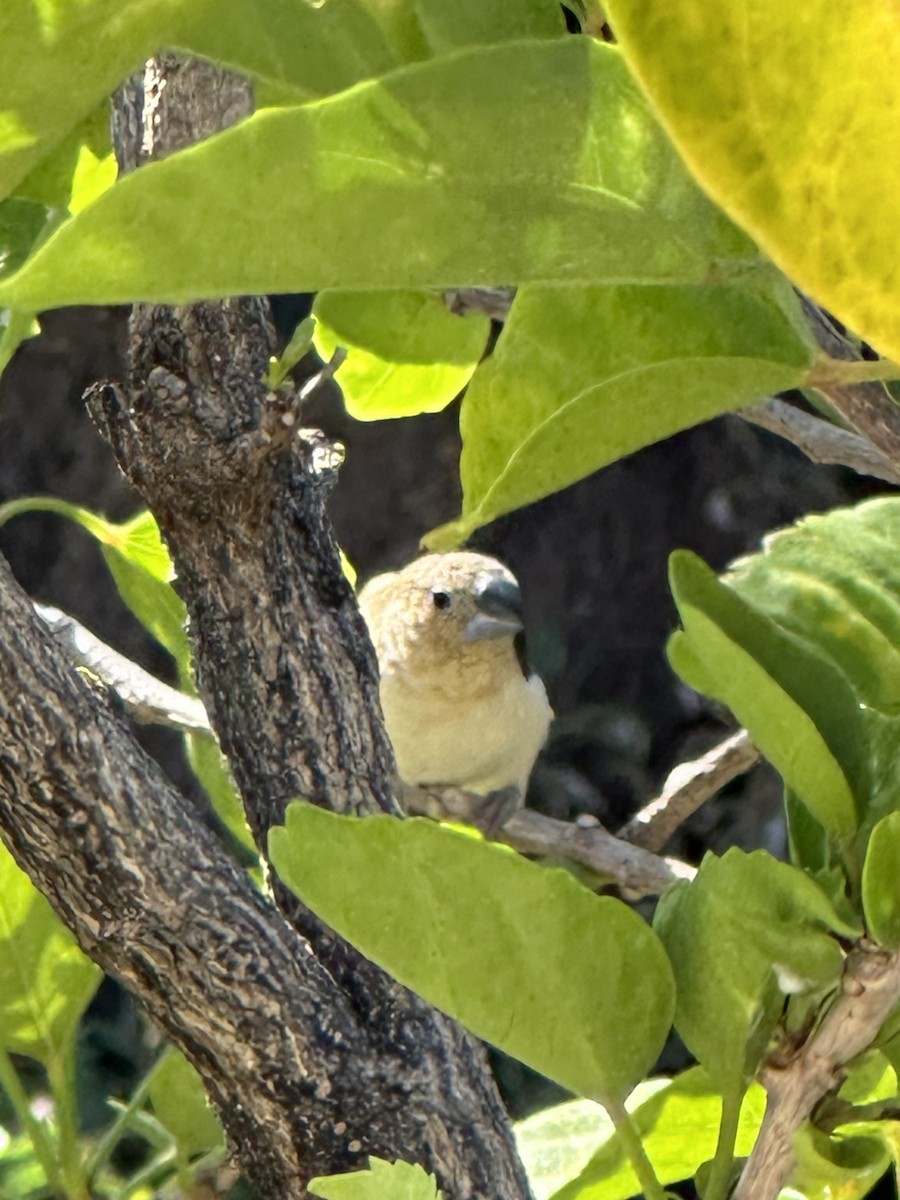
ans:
x=523 y=955
x=785 y=114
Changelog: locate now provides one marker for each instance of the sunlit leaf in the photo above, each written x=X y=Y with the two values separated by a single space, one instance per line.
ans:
x=46 y=982
x=382 y=1181
x=407 y=353
x=525 y=162
x=811 y=171
x=521 y=954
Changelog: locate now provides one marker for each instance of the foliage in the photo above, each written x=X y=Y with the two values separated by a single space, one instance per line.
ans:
x=407 y=147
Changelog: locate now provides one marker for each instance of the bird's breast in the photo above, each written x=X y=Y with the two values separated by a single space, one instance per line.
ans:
x=481 y=742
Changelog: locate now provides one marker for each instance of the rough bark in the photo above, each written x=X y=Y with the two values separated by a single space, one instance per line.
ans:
x=283 y=657
x=313 y=1056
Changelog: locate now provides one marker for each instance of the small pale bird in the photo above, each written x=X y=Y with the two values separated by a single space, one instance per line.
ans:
x=460 y=704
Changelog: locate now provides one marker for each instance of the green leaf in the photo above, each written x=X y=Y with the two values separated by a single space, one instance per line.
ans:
x=798 y=708
x=881 y=882
x=21 y=222
x=470 y=22
x=582 y=377
x=46 y=982
x=407 y=352
x=813 y=181
x=847 y=1165
x=301 y=343
x=59 y=61
x=536 y=161
x=180 y=1103
x=382 y=1181
x=91 y=177
x=834 y=581
x=746 y=932
x=521 y=954
x=678 y=1121
x=15 y=328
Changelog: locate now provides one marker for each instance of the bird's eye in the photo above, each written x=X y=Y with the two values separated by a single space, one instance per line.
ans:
x=440 y=599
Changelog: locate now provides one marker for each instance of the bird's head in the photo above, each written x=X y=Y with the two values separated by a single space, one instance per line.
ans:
x=444 y=613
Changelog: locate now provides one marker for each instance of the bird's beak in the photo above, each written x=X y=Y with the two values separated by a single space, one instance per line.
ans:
x=499 y=603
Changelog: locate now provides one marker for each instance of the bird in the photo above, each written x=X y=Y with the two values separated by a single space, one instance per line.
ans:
x=461 y=706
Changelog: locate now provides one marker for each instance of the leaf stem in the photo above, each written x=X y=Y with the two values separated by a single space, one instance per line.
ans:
x=723 y=1163
x=61 y=1074
x=838 y=372
x=35 y=1128
x=634 y=1148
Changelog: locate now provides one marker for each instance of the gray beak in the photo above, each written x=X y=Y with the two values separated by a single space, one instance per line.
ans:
x=499 y=603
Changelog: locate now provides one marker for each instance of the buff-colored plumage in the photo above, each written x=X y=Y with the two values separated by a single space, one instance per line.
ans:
x=458 y=705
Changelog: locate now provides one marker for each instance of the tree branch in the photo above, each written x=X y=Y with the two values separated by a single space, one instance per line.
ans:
x=145 y=698
x=284 y=663
x=821 y=441
x=159 y=904
x=870 y=989
x=687 y=788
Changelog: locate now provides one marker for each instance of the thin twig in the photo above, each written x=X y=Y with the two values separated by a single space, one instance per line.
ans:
x=145 y=698
x=868 y=407
x=584 y=842
x=636 y=871
x=687 y=788
x=821 y=441
x=870 y=990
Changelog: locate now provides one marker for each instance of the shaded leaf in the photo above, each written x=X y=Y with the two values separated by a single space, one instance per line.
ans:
x=470 y=22
x=522 y=954
x=881 y=882
x=180 y=1103
x=582 y=377
x=797 y=706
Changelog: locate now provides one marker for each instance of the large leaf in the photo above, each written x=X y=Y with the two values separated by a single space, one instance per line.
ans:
x=59 y=61
x=533 y=161
x=678 y=1121
x=407 y=353
x=583 y=376
x=780 y=111
x=744 y=933
x=521 y=954
x=798 y=707
x=46 y=982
